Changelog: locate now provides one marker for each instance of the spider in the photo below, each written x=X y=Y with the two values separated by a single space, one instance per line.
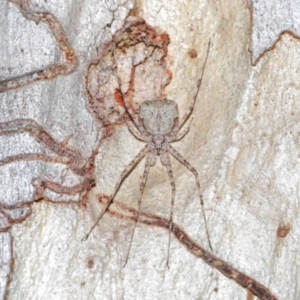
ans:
x=157 y=124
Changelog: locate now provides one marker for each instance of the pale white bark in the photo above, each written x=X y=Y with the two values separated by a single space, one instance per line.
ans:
x=270 y=19
x=243 y=142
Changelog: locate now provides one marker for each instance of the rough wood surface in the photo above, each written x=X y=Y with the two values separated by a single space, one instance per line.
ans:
x=243 y=142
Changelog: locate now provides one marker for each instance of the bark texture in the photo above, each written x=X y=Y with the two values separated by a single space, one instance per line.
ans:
x=64 y=143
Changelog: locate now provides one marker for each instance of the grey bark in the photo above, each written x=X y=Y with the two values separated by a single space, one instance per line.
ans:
x=243 y=142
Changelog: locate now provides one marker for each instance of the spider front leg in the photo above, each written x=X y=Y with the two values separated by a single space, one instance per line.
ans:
x=131 y=112
x=150 y=161
x=165 y=160
x=180 y=158
x=191 y=106
x=180 y=135
x=140 y=136
x=125 y=172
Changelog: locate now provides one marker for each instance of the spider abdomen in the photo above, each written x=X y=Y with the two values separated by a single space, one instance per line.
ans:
x=158 y=115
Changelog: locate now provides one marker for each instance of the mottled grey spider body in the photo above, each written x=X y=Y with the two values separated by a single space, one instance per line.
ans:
x=157 y=124
x=158 y=118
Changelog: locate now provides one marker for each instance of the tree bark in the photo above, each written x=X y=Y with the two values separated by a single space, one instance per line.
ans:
x=243 y=142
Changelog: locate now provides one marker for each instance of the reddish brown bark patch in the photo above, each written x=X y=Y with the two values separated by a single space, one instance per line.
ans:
x=283 y=231
x=192 y=53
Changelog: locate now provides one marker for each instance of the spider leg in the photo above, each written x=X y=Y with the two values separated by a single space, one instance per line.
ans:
x=150 y=161
x=135 y=132
x=180 y=135
x=125 y=172
x=129 y=109
x=191 y=107
x=180 y=158
x=165 y=159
